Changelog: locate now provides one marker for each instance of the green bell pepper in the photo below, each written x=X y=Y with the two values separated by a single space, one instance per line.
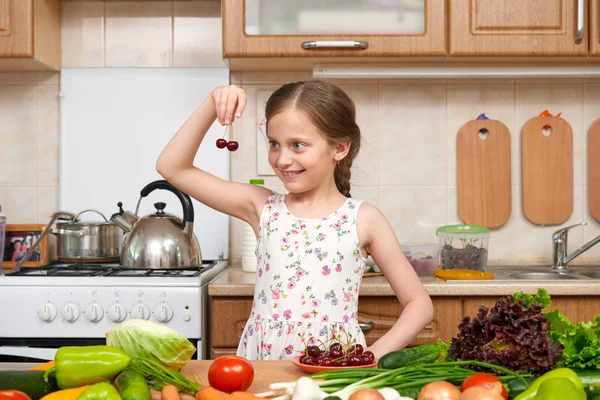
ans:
x=559 y=389
x=565 y=373
x=85 y=365
x=102 y=391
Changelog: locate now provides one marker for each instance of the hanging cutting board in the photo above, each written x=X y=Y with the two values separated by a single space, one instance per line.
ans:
x=483 y=173
x=547 y=170
x=594 y=169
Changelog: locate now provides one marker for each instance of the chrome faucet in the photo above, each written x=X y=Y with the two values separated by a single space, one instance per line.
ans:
x=560 y=258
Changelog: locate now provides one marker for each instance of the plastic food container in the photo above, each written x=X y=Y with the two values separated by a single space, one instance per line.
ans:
x=463 y=246
x=424 y=257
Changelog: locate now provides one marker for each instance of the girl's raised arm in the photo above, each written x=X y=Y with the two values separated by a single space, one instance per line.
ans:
x=175 y=163
x=381 y=243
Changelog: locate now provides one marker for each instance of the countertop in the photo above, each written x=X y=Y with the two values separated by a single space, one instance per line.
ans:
x=265 y=373
x=235 y=282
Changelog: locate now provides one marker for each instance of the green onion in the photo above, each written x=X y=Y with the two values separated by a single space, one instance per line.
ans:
x=162 y=376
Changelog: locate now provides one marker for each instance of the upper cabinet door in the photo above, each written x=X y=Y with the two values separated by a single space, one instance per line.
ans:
x=518 y=27
x=595 y=28
x=333 y=28
x=16 y=28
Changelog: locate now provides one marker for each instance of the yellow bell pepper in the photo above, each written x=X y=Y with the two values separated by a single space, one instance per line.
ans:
x=43 y=367
x=66 y=394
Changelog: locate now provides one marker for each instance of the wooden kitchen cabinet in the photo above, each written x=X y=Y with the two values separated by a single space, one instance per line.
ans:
x=254 y=31
x=377 y=314
x=517 y=28
x=594 y=28
x=29 y=35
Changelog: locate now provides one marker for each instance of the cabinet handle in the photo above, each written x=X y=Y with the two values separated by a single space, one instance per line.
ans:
x=350 y=44
x=580 y=23
x=367 y=326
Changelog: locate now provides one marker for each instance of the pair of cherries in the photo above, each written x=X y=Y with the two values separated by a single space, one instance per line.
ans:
x=231 y=145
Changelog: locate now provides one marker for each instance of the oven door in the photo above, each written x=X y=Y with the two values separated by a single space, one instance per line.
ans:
x=38 y=350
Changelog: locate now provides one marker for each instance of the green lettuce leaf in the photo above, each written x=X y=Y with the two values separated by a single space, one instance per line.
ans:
x=541 y=298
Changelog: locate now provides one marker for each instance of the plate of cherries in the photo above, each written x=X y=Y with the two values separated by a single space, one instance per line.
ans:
x=335 y=356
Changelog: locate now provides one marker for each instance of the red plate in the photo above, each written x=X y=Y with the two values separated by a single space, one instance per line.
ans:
x=311 y=369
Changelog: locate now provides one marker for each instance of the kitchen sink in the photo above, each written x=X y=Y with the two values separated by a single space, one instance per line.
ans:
x=541 y=276
x=590 y=274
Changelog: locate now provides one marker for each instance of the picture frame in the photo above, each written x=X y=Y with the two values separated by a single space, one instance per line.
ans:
x=24 y=236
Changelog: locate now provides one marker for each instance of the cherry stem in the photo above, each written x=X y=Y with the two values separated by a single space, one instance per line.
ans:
x=230 y=127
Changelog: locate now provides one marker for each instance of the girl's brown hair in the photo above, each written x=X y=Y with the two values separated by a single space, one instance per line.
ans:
x=330 y=110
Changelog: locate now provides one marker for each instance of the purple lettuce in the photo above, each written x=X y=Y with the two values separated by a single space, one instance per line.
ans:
x=511 y=335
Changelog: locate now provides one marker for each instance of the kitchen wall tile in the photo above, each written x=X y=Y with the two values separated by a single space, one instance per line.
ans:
x=591 y=112
x=47 y=203
x=412 y=134
x=48 y=137
x=17 y=135
x=48 y=78
x=82 y=34
x=17 y=78
x=534 y=243
x=466 y=100
x=555 y=96
x=414 y=212
x=279 y=77
x=502 y=240
x=197 y=34
x=364 y=168
x=139 y=34
x=19 y=204
x=590 y=231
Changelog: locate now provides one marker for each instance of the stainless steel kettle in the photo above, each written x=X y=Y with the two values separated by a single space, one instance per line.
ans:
x=159 y=240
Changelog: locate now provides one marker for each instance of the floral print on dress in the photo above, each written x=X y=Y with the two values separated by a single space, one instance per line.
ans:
x=307 y=280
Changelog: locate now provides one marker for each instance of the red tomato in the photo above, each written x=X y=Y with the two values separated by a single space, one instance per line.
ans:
x=13 y=395
x=231 y=374
x=485 y=380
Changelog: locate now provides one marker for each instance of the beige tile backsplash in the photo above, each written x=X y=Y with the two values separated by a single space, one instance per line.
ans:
x=407 y=165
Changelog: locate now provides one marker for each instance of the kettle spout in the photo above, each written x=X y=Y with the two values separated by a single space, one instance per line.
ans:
x=123 y=219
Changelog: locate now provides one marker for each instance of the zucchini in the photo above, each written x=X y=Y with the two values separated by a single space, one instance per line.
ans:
x=31 y=383
x=132 y=385
x=426 y=353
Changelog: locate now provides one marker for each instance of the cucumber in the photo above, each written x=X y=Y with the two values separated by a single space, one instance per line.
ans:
x=132 y=385
x=425 y=353
x=589 y=378
x=410 y=392
x=332 y=398
x=31 y=383
x=516 y=386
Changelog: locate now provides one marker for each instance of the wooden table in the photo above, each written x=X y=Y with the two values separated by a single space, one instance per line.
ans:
x=265 y=373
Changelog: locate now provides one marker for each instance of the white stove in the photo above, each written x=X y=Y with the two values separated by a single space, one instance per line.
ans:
x=42 y=309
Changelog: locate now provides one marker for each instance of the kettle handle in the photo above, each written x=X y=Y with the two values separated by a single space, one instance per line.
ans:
x=186 y=202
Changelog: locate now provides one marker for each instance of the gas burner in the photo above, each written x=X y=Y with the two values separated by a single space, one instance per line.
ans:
x=57 y=269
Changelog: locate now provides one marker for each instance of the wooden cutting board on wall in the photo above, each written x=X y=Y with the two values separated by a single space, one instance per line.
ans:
x=594 y=169
x=547 y=170
x=483 y=173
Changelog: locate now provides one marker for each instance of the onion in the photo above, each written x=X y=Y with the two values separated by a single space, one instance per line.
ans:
x=480 y=393
x=366 y=394
x=439 y=390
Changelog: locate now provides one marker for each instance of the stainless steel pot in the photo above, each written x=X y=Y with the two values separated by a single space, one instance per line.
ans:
x=87 y=241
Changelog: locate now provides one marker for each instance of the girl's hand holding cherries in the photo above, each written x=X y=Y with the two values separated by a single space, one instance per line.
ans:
x=229 y=101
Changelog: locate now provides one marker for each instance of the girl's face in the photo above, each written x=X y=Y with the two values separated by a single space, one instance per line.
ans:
x=298 y=153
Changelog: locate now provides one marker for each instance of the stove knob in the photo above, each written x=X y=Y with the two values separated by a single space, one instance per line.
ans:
x=47 y=312
x=70 y=312
x=117 y=312
x=163 y=312
x=93 y=312
x=140 y=311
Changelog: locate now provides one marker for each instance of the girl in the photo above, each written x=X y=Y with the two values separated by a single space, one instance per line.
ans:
x=312 y=242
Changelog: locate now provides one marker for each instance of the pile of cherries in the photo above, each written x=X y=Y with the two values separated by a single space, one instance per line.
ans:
x=231 y=145
x=337 y=356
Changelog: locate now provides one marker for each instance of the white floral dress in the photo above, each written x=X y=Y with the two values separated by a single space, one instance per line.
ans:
x=307 y=280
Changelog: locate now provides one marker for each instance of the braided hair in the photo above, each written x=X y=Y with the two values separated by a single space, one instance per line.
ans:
x=331 y=111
